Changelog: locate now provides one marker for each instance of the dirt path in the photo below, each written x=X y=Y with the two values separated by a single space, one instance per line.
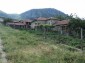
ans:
x=2 y=53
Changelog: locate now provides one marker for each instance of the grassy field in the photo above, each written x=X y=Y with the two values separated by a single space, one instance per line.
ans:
x=23 y=46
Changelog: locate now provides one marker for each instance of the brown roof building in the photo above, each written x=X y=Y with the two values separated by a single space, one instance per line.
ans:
x=63 y=22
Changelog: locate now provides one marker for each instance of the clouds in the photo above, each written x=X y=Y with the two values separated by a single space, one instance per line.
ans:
x=67 y=6
x=23 y=5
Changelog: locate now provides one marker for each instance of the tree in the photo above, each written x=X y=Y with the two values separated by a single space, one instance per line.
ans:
x=77 y=26
x=6 y=20
x=60 y=17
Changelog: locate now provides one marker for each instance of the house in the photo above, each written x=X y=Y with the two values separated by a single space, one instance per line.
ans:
x=20 y=24
x=61 y=26
x=39 y=21
x=16 y=25
x=27 y=22
x=42 y=21
x=51 y=21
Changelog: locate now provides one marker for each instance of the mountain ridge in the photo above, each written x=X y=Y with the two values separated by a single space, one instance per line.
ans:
x=46 y=12
x=34 y=13
x=3 y=14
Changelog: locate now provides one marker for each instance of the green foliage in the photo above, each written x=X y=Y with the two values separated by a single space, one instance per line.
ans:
x=7 y=20
x=76 y=23
x=75 y=26
x=46 y=27
x=61 y=17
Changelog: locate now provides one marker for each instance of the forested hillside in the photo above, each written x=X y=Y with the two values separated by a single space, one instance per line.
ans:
x=34 y=13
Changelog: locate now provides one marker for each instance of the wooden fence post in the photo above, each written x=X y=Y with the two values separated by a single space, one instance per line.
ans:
x=81 y=33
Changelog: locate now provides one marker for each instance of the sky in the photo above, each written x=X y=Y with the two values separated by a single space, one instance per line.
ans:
x=66 y=6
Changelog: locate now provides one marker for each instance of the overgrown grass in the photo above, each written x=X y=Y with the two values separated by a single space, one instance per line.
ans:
x=24 y=46
x=57 y=38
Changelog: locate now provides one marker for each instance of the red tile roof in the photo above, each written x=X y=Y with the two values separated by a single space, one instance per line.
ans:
x=63 y=22
x=15 y=23
x=19 y=24
x=10 y=23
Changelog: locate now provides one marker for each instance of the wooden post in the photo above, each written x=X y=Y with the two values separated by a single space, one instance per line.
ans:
x=67 y=32
x=81 y=33
x=61 y=31
x=45 y=32
x=81 y=38
x=13 y=26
